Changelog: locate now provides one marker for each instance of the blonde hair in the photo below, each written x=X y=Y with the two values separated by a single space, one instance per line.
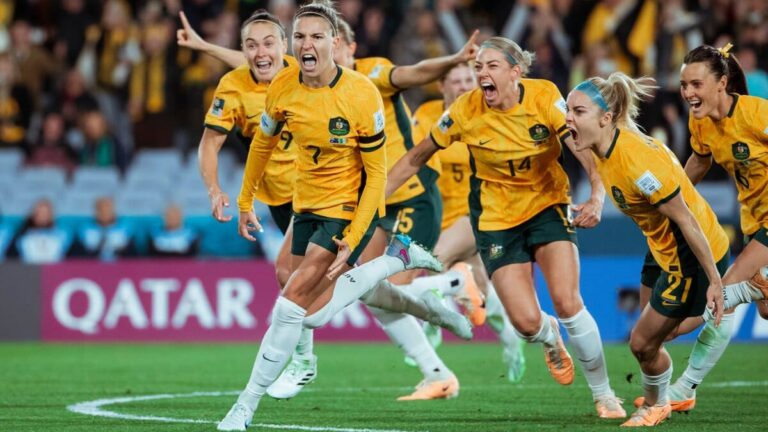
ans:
x=324 y=9
x=512 y=51
x=346 y=32
x=623 y=94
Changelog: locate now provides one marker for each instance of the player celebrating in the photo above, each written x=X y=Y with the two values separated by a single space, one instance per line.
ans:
x=457 y=242
x=337 y=118
x=519 y=206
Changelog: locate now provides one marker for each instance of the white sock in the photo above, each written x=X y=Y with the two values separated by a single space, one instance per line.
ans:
x=306 y=344
x=546 y=334
x=709 y=347
x=406 y=333
x=499 y=322
x=276 y=347
x=738 y=293
x=353 y=284
x=448 y=283
x=493 y=306
x=394 y=299
x=655 y=387
x=584 y=338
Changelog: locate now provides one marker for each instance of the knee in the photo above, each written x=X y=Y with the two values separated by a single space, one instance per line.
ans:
x=641 y=347
x=527 y=325
x=568 y=305
x=283 y=273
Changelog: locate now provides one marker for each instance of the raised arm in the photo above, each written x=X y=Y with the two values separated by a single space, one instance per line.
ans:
x=697 y=166
x=208 y=162
x=409 y=164
x=679 y=213
x=429 y=70
x=187 y=37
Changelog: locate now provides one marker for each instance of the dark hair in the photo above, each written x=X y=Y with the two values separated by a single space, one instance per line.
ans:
x=720 y=64
x=322 y=8
x=263 y=15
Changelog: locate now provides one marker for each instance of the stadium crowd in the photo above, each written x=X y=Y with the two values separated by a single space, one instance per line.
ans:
x=88 y=83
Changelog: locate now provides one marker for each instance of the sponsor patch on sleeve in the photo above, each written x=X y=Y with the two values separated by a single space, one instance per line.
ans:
x=217 y=108
x=378 y=121
x=765 y=131
x=560 y=104
x=445 y=122
x=375 y=72
x=648 y=183
x=268 y=124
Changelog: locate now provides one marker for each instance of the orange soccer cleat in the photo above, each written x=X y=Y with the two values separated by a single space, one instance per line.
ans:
x=428 y=390
x=649 y=416
x=558 y=360
x=471 y=297
x=610 y=407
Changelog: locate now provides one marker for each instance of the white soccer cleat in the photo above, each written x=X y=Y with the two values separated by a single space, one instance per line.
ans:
x=514 y=358
x=296 y=375
x=440 y=315
x=237 y=419
x=413 y=255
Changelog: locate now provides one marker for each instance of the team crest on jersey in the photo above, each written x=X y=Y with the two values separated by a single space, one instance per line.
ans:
x=217 y=109
x=496 y=251
x=539 y=132
x=618 y=196
x=740 y=151
x=338 y=126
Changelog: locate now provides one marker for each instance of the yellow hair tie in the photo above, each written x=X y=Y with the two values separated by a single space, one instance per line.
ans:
x=726 y=50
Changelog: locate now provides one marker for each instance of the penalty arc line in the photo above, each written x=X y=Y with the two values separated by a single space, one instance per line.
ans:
x=95 y=408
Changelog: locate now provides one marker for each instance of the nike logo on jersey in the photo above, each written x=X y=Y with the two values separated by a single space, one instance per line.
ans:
x=251 y=116
x=485 y=142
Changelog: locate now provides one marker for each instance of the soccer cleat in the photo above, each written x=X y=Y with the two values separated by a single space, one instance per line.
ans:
x=470 y=297
x=558 y=360
x=440 y=315
x=412 y=254
x=515 y=361
x=760 y=282
x=427 y=390
x=609 y=407
x=649 y=416
x=237 y=419
x=296 y=375
x=678 y=400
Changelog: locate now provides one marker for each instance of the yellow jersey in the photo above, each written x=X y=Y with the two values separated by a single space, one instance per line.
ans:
x=640 y=173
x=237 y=104
x=739 y=143
x=454 y=164
x=339 y=133
x=399 y=134
x=513 y=153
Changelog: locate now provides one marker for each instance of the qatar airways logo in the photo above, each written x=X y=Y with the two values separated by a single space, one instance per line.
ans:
x=163 y=303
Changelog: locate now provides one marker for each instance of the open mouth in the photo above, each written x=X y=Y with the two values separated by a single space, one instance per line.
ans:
x=695 y=104
x=489 y=90
x=264 y=66
x=574 y=134
x=309 y=60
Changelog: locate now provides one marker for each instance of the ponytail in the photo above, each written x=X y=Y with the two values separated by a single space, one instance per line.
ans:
x=622 y=95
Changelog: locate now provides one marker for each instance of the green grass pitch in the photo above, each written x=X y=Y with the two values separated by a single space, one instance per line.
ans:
x=356 y=389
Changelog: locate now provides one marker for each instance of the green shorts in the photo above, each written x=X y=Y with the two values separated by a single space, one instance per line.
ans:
x=320 y=230
x=677 y=296
x=419 y=217
x=282 y=215
x=761 y=236
x=651 y=271
x=516 y=245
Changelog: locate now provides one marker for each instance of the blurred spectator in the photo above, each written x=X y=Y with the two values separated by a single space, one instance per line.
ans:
x=173 y=239
x=72 y=19
x=100 y=148
x=39 y=240
x=73 y=100
x=153 y=89
x=757 y=79
x=628 y=27
x=16 y=105
x=51 y=149
x=37 y=68
x=106 y=238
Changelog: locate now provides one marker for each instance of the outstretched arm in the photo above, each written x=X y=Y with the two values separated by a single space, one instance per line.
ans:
x=409 y=164
x=189 y=38
x=697 y=167
x=429 y=70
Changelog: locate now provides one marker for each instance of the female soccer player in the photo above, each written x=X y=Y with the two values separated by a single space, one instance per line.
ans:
x=647 y=183
x=730 y=127
x=456 y=247
x=337 y=118
x=519 y=204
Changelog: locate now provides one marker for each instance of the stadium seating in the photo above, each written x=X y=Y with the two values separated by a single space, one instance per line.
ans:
x=101 y=180
x=10 y=159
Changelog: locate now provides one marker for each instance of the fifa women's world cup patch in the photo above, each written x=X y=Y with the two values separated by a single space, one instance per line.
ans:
x=648 y=183
x=217 y=108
